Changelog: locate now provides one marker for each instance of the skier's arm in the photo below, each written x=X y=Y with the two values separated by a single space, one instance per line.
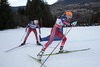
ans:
x=66 y=23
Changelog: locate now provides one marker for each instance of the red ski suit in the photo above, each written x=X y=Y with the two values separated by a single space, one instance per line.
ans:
x=56 y=32
x=31 y=27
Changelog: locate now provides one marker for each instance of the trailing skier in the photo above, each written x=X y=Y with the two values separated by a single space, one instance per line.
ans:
x=60 y=22
x=32 y=27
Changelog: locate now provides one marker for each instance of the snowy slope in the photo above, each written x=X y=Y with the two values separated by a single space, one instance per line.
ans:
x=78 y=38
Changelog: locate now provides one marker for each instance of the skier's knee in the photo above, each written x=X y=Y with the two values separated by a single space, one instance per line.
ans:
x=64 y=39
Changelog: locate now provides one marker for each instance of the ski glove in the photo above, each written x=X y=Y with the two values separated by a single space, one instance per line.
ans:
x=74 y=23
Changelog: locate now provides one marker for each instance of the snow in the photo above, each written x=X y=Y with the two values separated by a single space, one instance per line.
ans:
x=77 y=38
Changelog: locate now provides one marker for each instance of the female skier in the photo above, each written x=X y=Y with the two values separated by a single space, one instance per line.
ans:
x=32 y=27
x=61 y=21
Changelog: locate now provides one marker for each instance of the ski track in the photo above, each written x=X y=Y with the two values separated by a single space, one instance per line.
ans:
x=77 y=38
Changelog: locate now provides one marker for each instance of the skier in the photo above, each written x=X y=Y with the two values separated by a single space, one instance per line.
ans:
x=60 y=22
x=32 y=27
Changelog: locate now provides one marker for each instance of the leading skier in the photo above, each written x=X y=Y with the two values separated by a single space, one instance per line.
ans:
x=60 y=22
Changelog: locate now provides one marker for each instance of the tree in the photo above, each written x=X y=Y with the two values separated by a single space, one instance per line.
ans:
x=38 y=9
x=6 y=16
x=95 y=19
x=21 y=11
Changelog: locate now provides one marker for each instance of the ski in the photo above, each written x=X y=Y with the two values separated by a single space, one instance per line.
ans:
x=67 y=52
x=36 y=60
x=15 y=47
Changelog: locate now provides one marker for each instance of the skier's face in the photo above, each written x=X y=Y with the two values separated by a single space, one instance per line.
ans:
x=68 y=17
x=36 y=23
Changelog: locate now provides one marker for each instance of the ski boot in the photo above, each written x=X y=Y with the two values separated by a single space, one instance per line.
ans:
x=39 y=56
x=62 y=50
x=22 y=44
x=39 y=43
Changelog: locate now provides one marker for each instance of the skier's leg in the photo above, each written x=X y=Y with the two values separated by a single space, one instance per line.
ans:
x=60 y=35
x=29 y=30
x=45 y=47
x=35 y=32
x=48 y=43
x=52 y=35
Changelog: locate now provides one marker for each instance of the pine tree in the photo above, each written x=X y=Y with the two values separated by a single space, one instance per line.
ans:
x=38 y=9
x=95 y=19
x=6 y=16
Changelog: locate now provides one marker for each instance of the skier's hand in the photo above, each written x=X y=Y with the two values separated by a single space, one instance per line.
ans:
x=74 y=23
x=64 y=25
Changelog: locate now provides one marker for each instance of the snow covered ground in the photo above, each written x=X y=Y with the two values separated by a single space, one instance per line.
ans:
x=78 y=38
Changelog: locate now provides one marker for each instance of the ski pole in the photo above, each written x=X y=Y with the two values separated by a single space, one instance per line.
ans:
x=23 y=36
x=55 y=47
x=40 y=37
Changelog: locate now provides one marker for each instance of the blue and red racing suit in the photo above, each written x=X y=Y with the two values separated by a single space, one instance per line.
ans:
x=60 y=22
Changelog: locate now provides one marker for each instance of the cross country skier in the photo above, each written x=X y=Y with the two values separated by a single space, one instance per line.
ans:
x=32 y=27
x=61 y=21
